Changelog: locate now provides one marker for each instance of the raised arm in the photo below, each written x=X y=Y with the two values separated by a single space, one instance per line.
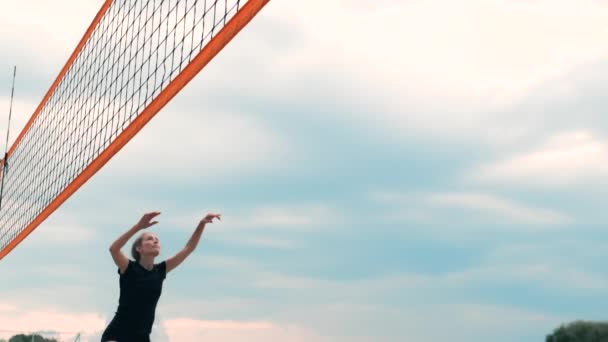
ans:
x=120 y=259
x=178 y=258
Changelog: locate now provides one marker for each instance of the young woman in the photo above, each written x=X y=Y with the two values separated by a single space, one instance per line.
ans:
x=141 y=280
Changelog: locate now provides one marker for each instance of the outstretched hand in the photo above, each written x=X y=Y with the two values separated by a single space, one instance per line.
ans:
x=146 y=220
x=209 y=218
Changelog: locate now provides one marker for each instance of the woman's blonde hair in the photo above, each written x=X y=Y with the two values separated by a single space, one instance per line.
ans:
x=137 y=243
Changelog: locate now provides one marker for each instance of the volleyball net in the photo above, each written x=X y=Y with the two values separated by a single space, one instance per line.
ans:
x=133 y=59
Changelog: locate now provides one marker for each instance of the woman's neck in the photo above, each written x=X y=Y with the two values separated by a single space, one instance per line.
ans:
x=146 y=262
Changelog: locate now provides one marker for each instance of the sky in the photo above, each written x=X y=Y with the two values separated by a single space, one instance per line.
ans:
x=416 y=170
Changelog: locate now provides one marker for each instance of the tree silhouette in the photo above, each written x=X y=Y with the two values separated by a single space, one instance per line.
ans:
x=580 y=331
x=30 y=338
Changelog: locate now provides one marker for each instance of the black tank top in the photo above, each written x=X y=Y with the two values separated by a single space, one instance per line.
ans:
x=140 y=290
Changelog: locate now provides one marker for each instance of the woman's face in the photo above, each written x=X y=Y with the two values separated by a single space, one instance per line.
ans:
x=150 y=245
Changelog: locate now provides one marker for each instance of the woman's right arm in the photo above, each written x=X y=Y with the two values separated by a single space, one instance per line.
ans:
x=120 y=259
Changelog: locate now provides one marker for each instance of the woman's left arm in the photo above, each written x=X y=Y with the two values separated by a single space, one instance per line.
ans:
x=178 y=258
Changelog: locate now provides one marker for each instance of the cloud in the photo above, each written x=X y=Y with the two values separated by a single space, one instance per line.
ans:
x=272 y=280
x=333 y=322
x=459 y=322
x=67 y=324
x=61 y=234
x=482 y=322
x=424 y=71
x=465 y=208
x=270 y=226
x=499 y=207
x=50 y=320
x=446 y=76
x=590 y=253
x=200 y=146
x=57 y=232
x=303 y=217
x=294 y=217
x=21 y=113
x=533 y=274
x=497 y=270
x=187 y=329
x=39 y=45
x=264 y=242
x=34 y=31
x=543 y=275
x=563 y=160
x=334 y=310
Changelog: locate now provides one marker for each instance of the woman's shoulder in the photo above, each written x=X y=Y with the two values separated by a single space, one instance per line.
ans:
x=162 y=268
x=129 y=266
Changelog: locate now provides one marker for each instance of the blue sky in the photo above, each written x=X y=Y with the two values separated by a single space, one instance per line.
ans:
x=387 y=170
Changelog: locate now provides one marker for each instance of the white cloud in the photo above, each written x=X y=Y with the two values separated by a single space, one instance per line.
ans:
x=271 y=280
x=269 y=226
x=534 y=273
x=58 y=231
x=437 y=67
x=499 y=207
x=588 y=252
x=483 y=322
x=304 y=217
x=548 y=276
x=21 y=113
x=450 y=61
x=203 y=146
x=335 y=310
x=292 y=217
x=66 y=324
x=231 y=264
x=419 y=322
x=464 y=207
x=566 y=159
x=58 y=234
x=327 y=322
x=187 y=329
x=264 y=242
x=35 y=29
x=50 y=319
x=539 y=271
